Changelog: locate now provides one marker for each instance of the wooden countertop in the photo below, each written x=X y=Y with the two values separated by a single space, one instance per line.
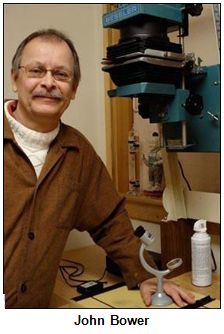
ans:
x=94 y=261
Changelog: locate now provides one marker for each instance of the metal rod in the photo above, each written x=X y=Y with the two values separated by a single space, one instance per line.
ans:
x=184 y=133
x=212 y=116
x=183 y=80
x=183 y=51
x=161 y=135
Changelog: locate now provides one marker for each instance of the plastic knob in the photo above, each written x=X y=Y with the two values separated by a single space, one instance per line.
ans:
x=139 y=231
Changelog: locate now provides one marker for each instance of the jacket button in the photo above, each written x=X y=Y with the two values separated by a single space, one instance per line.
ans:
x=31 y=235
x=23 y=287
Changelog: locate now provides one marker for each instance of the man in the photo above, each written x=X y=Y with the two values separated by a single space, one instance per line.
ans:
x=54 y=181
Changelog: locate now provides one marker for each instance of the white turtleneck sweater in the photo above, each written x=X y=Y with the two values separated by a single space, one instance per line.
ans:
x=34 y=144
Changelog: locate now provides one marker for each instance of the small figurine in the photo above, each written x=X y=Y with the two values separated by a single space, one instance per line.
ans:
x=155 y=165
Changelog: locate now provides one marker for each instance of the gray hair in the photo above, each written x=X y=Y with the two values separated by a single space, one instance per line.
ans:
x=48 y=34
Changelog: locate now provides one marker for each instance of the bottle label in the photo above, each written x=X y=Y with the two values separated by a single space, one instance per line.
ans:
x=201 y=264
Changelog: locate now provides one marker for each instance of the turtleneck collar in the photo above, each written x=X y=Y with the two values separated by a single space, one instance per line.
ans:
x=26 y=136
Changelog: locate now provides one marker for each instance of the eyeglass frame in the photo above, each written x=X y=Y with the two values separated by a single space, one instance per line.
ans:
x=45 y=70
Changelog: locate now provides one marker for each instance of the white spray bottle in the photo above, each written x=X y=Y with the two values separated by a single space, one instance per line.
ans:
x=201 y=255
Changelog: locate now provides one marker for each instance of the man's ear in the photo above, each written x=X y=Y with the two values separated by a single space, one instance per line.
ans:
x=13 y=81
x=75 y=86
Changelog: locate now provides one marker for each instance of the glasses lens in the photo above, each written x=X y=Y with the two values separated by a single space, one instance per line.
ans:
x=61 y=75
x=35 y=72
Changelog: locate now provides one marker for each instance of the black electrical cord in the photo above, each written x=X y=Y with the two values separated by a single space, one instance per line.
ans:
x=183 y=175
x=214 y=261
x=78 y=269
x=189 y=187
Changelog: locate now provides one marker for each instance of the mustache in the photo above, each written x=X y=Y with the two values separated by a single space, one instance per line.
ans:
x=54 y=95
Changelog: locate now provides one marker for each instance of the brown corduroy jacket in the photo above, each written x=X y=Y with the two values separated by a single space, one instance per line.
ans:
x=73 y=190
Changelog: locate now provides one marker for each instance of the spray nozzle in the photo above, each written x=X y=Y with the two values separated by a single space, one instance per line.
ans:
x=200 y=226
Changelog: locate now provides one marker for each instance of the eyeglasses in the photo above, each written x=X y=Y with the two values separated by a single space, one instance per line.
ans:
x=40 y=72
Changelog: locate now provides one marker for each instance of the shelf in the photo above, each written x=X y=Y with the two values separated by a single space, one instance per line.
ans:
x=145 y=208
x=151 y=210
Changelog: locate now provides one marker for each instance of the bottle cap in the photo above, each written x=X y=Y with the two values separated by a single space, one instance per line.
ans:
x=200 y=226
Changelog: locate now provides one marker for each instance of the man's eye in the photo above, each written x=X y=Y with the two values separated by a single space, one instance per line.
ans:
x=61 y=75
x=36 y=71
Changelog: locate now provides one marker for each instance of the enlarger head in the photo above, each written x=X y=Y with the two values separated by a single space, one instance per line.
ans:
x=172 y=87
x=144 y=52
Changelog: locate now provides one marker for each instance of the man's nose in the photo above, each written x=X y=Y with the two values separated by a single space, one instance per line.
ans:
x=48 y=80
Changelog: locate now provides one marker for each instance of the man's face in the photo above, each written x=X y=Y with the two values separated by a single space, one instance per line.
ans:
x=50 y=55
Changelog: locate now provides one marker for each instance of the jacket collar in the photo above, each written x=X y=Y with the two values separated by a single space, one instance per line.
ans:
x=65 y=138
x=8 y=134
